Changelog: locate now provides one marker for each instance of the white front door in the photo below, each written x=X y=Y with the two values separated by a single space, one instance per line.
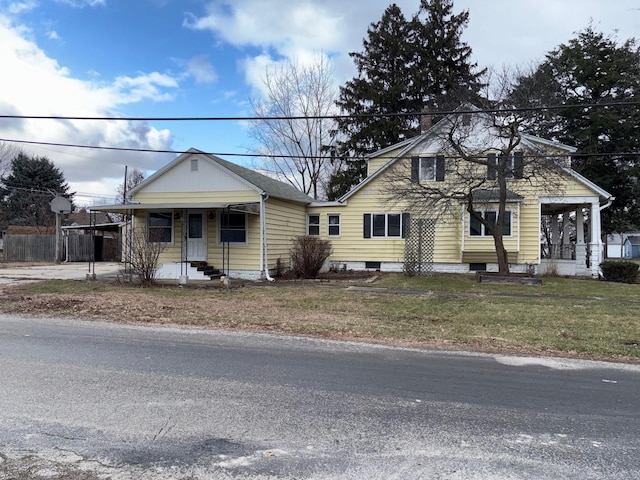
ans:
x=196 y=237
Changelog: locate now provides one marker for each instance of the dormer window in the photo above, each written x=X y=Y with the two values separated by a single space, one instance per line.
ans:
x=427 y=169
x=514 y=166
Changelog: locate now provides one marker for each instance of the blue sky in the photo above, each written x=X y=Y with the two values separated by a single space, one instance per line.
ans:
x=205 y=58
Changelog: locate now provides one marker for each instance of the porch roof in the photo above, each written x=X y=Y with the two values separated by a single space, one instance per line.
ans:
x=130 y=207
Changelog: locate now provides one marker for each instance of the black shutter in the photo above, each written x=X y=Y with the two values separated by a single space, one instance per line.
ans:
x=415 y=169
x=492 y=172
x=440 y=168
x=406 y=219
x=518 y=165
x=367 y=225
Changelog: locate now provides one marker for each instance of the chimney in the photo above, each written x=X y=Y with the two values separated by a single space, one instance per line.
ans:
x=425 y=122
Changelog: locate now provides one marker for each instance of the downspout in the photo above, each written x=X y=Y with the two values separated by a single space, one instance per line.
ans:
x=608 y=204
x=264 y=262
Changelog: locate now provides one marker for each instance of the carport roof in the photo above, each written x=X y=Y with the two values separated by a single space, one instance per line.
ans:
x=130 y=207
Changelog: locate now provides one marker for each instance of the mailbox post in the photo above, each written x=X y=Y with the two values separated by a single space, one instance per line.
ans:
x=59 y=206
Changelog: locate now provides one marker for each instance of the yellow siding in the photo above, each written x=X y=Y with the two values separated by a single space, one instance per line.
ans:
x=241 y=257
x=377 y=162
x=284 y=222
x=193 y=197
x=172 y=251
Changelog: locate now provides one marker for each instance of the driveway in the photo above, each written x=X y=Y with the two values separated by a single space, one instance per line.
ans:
x=64 y=271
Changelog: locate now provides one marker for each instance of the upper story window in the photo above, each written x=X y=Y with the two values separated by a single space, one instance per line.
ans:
x=313 y=225
x=194 y=164
x=233 y=227
x=514 y=165
x=477 y=229
x=160 y=227
x=427 y=169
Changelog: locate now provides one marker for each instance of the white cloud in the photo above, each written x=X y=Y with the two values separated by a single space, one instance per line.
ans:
x=16 y=8
x=201 y=69
x=39 y=85
x=83 y=3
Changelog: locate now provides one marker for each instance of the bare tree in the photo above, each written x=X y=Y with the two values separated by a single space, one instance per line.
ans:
x=134 y=177
x=8 y=151
x=294 y=134
x=483 y=161
x=145 y=253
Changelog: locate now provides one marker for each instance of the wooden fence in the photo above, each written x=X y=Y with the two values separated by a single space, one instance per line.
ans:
x=75 y=248
x=30 y=248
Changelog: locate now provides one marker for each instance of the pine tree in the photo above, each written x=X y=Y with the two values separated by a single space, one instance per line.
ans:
x=27 y=190
x=406 y=66
x=381 y=87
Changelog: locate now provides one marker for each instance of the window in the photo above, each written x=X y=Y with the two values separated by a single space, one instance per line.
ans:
x=194 y=164
x=233 y=227
x=477 y=229
x=513 y=166
x=385 y=225
x=427 y=169
x=313 y=225
x=160 y=227
x=333 y=222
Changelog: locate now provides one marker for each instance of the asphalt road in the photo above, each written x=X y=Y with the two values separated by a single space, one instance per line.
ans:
x=96 y=400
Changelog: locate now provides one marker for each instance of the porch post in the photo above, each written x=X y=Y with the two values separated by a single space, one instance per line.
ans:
x=581 y=248
x=596 y=241
x=555 y=237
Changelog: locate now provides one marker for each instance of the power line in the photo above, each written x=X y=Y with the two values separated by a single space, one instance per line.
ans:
x=265 y=155
x=321 y=117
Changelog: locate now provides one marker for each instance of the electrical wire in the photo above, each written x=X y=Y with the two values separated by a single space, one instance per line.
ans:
x=321 y=117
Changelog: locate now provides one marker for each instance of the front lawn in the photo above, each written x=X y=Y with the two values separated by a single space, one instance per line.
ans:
x=582 y=318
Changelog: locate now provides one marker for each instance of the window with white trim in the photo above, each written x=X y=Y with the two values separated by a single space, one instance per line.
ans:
x=160 y=227
x=233 y=227
x=313 y=225
x=477 y=229
x=427 y=169
x=333 y=225
x=384 y=225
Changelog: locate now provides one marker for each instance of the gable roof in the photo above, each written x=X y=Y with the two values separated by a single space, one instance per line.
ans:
x=257 y=181
x=530 y=141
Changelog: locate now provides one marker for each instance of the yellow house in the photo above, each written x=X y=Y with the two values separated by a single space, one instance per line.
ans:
x=214 y=216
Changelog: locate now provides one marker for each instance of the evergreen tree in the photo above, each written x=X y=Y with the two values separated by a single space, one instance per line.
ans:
x=443 y=75
x=381 y=87
x=593 y=69
x=407 y=66
x=27 y=190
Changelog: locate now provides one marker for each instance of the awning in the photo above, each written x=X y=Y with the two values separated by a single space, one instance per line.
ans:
x=132 y=207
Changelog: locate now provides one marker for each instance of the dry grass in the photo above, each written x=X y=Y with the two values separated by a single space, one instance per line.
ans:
x=586 y=319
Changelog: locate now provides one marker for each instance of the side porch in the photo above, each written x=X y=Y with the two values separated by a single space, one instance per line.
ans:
x=570 y=236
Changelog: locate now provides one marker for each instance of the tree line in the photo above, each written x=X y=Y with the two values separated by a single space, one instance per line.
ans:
x=420 y=64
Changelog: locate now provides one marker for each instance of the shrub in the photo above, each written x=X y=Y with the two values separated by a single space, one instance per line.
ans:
x=623 y=272
x=308 y=255
x=145 y=253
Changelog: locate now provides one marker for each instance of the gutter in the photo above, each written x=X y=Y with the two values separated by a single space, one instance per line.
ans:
x=263 y=248
x=608 y=204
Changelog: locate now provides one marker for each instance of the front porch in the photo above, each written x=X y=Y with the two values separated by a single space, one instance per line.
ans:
x=197 y=241
x=570 y=236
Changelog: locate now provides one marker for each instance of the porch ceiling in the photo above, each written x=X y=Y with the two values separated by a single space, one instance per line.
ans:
x=131 y=207
x=557 y=208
